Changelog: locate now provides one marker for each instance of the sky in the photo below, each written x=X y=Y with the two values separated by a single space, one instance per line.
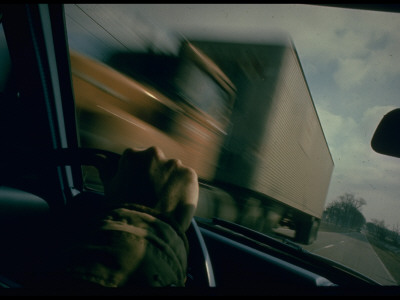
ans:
x=351 y=61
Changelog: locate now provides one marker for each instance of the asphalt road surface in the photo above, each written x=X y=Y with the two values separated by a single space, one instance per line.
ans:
x=352 y=250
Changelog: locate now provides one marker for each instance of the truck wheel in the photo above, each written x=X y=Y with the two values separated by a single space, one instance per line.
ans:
x=306 y=231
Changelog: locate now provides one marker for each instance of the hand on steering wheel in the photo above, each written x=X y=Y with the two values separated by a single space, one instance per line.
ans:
x=148 y=178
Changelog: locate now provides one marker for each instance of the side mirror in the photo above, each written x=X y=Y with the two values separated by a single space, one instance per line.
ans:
x=386 y=139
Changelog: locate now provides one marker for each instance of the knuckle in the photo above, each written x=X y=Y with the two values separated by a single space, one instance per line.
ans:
x=173 y=164
x=189 y=173
x=176 y=166
x=156 y=151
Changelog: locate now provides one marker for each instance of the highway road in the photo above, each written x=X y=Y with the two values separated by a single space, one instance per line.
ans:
x=352 y=250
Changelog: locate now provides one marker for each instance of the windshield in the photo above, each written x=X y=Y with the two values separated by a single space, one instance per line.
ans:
x=273 y=105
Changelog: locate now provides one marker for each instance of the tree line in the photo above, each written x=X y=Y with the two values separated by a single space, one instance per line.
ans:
x=345 y=212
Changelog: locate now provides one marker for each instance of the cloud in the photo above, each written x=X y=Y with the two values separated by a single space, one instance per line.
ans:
x=350 y=73
x=349 y=140
x=355 y=48
x=358 y=169
x=338 y=129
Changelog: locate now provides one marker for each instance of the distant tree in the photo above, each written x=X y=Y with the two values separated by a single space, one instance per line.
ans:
x=346 y=211
x=395 y=234
x=351 y=200
x=378 y=228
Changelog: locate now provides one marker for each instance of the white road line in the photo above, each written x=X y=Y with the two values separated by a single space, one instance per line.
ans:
x=325 y=247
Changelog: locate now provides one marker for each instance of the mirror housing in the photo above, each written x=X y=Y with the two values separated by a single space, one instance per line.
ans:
x=386 y=139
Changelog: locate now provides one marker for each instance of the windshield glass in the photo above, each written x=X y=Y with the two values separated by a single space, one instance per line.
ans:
x=273 y=105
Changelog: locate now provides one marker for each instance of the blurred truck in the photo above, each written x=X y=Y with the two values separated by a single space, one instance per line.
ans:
x=240 y=114
x=275 y=149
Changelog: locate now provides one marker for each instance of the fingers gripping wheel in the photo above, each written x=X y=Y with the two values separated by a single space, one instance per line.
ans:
x=199 y=265
x=200 y=272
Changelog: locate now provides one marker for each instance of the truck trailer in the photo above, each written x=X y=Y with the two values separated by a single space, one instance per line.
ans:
x=240 y=114
x=275 y=149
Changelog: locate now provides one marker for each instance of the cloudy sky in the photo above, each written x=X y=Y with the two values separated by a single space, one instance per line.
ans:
x=351 y=60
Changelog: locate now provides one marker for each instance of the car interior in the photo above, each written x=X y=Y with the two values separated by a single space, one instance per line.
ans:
x=41 y=176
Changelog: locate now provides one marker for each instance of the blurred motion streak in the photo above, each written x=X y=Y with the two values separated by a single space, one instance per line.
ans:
x=115 y=111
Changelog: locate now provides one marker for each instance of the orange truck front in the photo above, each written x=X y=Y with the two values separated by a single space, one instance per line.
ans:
x=115 y=111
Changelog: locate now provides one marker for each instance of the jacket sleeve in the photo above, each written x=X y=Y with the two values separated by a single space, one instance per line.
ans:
x=128 y=246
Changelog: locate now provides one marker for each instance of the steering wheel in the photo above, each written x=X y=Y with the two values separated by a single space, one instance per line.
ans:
x=200 y=272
